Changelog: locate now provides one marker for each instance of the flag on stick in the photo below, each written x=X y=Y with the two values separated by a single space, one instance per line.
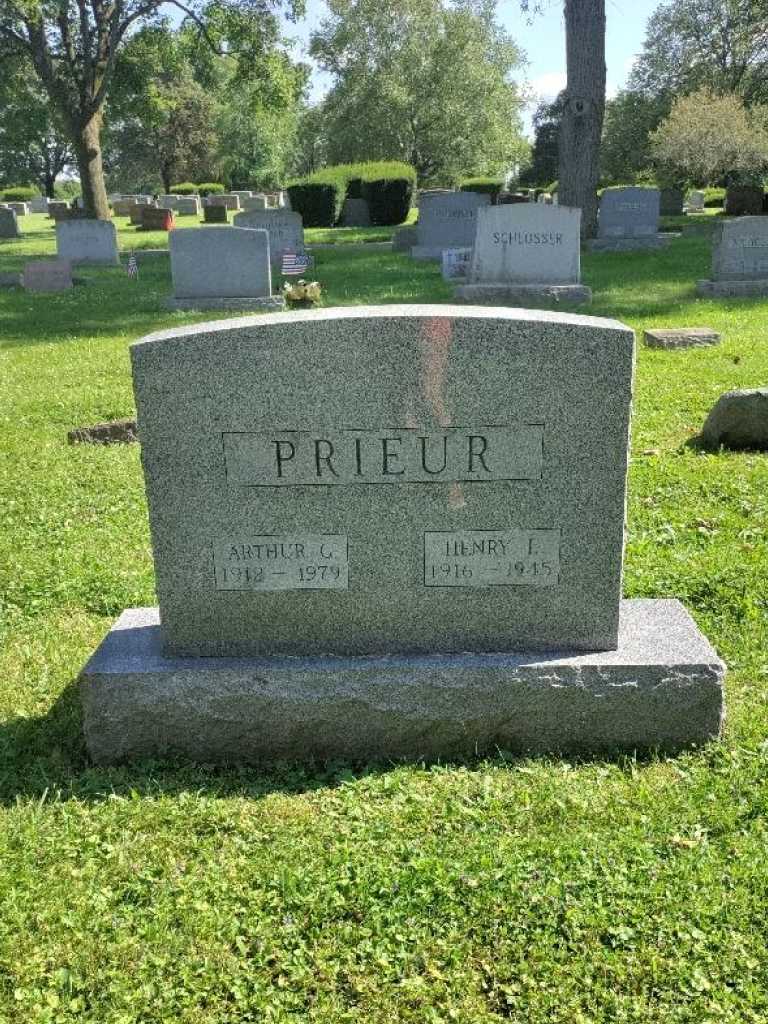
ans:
x=296 y=263
x=132 y=268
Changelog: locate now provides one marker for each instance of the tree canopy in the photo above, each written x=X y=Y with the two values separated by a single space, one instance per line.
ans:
x=422 y=81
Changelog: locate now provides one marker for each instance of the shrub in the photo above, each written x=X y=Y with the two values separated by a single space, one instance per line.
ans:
x=744 y=200
x=486 y=186
x=184 y=188
x=318 y=202
x=20 y=194
x=387 y=186
x=210 y=188
x=714 y=197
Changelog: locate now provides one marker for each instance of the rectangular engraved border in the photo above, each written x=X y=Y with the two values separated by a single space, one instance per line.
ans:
x=285 y=590
x=447 y=586
x=393 y=483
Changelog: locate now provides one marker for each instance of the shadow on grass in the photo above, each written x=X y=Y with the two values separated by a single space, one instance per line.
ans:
x=45 y=759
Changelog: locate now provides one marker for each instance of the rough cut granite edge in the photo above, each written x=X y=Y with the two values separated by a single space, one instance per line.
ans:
x=661 y=690
x=213 y=302
x=732 y=289
x=511 y=293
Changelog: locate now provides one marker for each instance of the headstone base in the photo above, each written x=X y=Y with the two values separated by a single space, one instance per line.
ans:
x=427 y=252
x=521 y=294
x=629 y=244
x=732 y=289
x=662 y=689
x=270 y=302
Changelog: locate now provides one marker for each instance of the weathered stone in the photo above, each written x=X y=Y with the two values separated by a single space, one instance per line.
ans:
x=47 y=276
x=168 y=201
x=215 y=215
x=739 y=258
x=355 y=213
x=525 y=254
x=695 y=202
x=535 y=528
x=447 y=220
x=20 y=209
x=628 y=220
x=136 y=214
x=284 y=228
x=739 y=419
x=56 y=210
x=188 y=206
x=9 y=225
x=157 y=218
x=455 y=264
x=87 y=241
x=661 y=689
x=219 y=263
x=403 y=239
x=111 y=432
x=39 y=204
x=681 y=337
x=227 y=199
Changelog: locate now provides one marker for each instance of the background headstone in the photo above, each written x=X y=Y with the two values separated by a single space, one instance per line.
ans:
x=680 y=337
x=215 y=215
x=227 y=199
x=256 y=201
x=157 y=218
x=188 y=206
x=739 y=419
x=404 y=239
x=695 y=202
x=739 y=258
x=447 y=220
x=284 y=227
x=671 y=202
x=220 y=266
x=355 y=213
x=9 y=226
x=628 y=219
x=455 y=264
x=87 y=241
x=20 y=209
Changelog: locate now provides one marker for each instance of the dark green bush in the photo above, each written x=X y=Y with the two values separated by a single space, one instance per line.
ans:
x=387 y=186
x=184 y=188
x=210 y=188
x=714 y=197
x=318 y=202
x=486 y=186
x=744 y=200
x=389 y=199
x=20 y=194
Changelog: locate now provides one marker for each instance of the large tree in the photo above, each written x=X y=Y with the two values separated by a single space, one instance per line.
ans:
x=630 y=117
x=424 y=81
x=545 y=154
x=33 y=146
x=721 y=45
x=74 y=45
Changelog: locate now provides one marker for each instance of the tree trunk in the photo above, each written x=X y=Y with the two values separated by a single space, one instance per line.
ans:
x=88 y=156
x=49 y=182
x=582 y=124
x=165 y=174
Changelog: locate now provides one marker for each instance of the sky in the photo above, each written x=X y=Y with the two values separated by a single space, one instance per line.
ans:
x=543 y=41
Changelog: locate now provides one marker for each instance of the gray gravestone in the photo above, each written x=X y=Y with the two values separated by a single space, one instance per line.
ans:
x=228 y=199
x=447 y=220
x=356 y=213
x=215 y=215
x=695 y=202
x=87 y=241
x=738 y=419
x=20 y=209
x=220 y=268
x=680 y=337
x=739 y=258
x=525 y=252
x=671 y=202
x=39 y=204
x=628 y=219
x=9 y=226
x=328 y=551
x=254 y=202
x=285 y=229
x=188 y=206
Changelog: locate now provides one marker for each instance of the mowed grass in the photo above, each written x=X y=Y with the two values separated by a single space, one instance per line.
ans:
x=538 y=892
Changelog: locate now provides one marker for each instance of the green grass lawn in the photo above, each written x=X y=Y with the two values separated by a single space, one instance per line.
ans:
x=537 y=892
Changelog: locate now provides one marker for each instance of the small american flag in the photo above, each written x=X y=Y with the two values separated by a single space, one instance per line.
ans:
x=133 y=266
x=296 y=263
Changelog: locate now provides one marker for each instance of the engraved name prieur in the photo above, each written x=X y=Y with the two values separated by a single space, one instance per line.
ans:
x=296 y=458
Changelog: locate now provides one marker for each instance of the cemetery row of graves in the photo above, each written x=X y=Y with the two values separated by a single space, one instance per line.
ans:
x=172 y=882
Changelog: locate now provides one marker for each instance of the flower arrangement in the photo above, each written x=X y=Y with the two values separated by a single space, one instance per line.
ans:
x=301 y=294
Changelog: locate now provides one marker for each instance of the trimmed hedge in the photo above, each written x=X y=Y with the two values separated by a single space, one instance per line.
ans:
x=20 y=194
x=210 y=188
x=485 y=186
x=744 y=201
x=714 y=197
x=386 y=186
x=189 y=188
x=184 y=188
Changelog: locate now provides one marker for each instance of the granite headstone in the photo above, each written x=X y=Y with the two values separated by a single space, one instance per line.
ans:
x=87 y=241
x=628 y=219
x=9 y=225
x=447 y=220
x=393 y=531
x=221 y=268
x=285 y=229
x=739 y=258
